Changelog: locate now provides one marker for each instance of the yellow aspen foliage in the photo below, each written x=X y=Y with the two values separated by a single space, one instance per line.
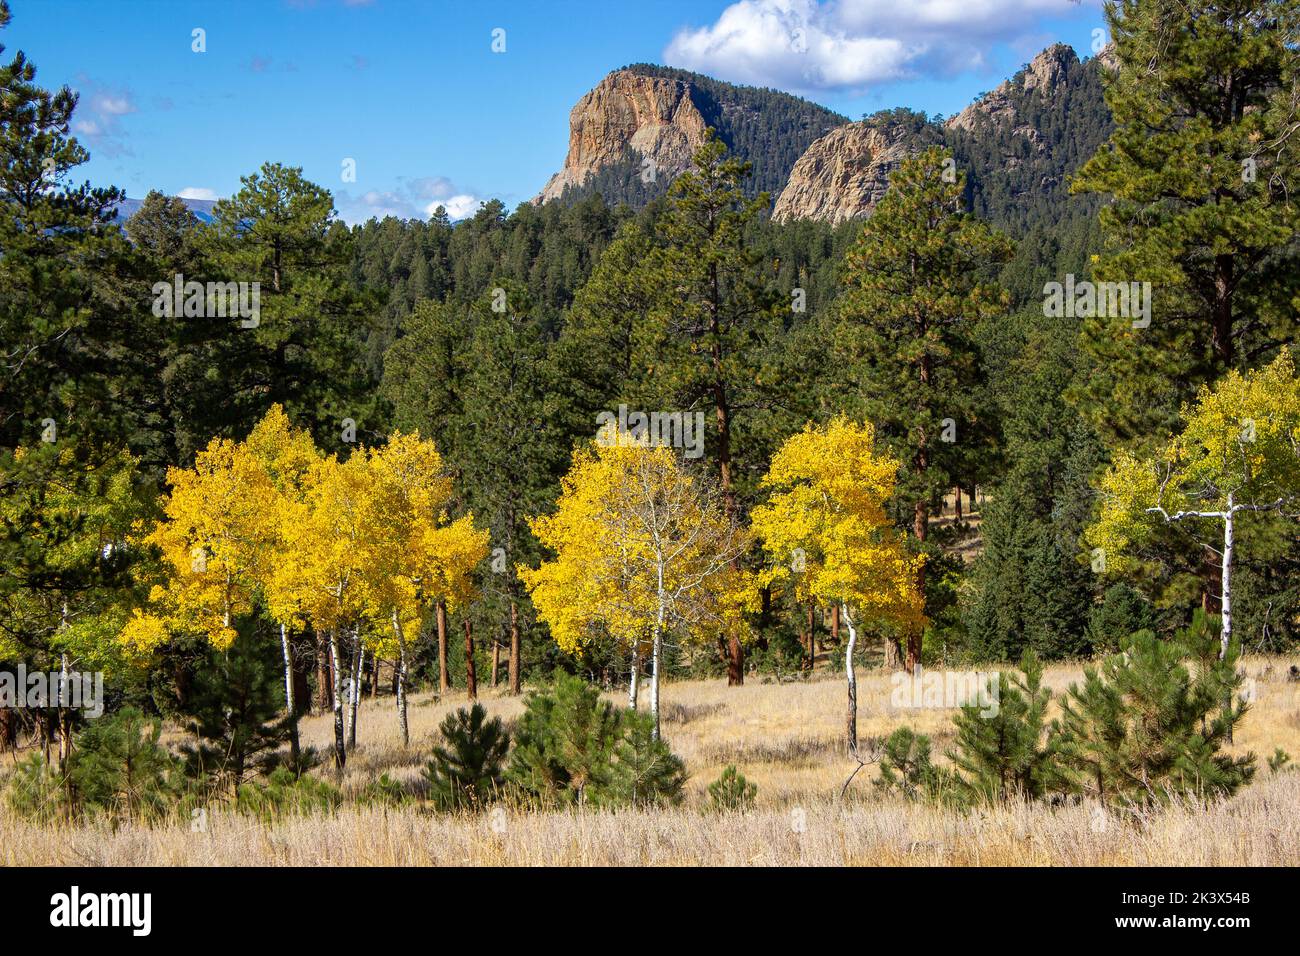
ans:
x=826 y=530
x=638 y=541
x=1239 y=439
x=216 y=539
x=1238 y=452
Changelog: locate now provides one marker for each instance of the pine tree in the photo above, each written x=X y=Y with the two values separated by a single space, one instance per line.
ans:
x=1031 y=590
x=912 y=300
x=1122 y=611
x=120 y=767
x=564 y=743
x=1143 y=728
x=1006 y=755
x=235 y=710
x=906 y=766
x=731 y=791
x=1202 y=171
x=466 y=769
x=646 y=773
x=280 y=231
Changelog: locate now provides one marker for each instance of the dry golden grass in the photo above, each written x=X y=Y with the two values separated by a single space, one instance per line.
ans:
x=787 y=739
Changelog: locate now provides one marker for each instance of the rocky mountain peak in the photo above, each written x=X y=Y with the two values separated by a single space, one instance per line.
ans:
x=653 y=116
x=844 y=173
x=1045 y=74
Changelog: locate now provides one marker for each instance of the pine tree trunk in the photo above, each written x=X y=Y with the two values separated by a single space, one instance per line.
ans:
x=514 y=648
x=8 y=729
x=336 y=702
x=850 y=675
x=921 y=515
x=289 y=700
x=471 y=677
x=444 y=683
x=921 y=528
x=835 y=626
x=496 y=659
x=722 y=410
x=893 y=657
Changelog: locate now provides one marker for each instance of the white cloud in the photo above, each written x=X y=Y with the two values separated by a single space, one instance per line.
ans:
x=850 y=45
x=198 y=192
x=110 y=104
x=98 y=118
x=458 y=207
x=412 y=199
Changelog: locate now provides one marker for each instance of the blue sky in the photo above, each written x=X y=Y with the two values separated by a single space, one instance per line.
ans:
x=413 y=92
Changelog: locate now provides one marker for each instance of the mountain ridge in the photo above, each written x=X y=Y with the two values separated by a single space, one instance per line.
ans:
x=816 y=164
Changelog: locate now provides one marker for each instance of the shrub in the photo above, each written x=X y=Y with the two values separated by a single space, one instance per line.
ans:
x=36 y=791
x=385 y=792
x=572 y=747
x=1143 y=728
x=645 y=771
x=564 y=745
x=284 y=793
x=1279 y=761
x=731 y=791
x=906 y=767
x=466 y=769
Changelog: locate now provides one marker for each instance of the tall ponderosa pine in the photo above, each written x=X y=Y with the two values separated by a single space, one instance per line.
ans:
x=280 y=231
x=912 y=298
x=701 y=309
x=1203 y=167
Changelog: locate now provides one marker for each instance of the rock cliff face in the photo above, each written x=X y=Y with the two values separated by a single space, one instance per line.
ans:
x=843 y=174
x=655 y=117
x=1016 y=143
x=1045 y=74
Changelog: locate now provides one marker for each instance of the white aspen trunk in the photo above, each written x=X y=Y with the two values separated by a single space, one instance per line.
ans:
x=655 y=654
x=634 y=682
x=654 y=681
x=354 y=695
x=340 y=751
x=289 y=703
x=401 y=680
x=65 y=731
x=288 y=668
x=1226 y=592
x=851 y=725
x=1225 y=595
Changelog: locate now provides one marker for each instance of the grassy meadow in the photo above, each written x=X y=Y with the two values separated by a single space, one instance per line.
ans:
x=786 y=738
